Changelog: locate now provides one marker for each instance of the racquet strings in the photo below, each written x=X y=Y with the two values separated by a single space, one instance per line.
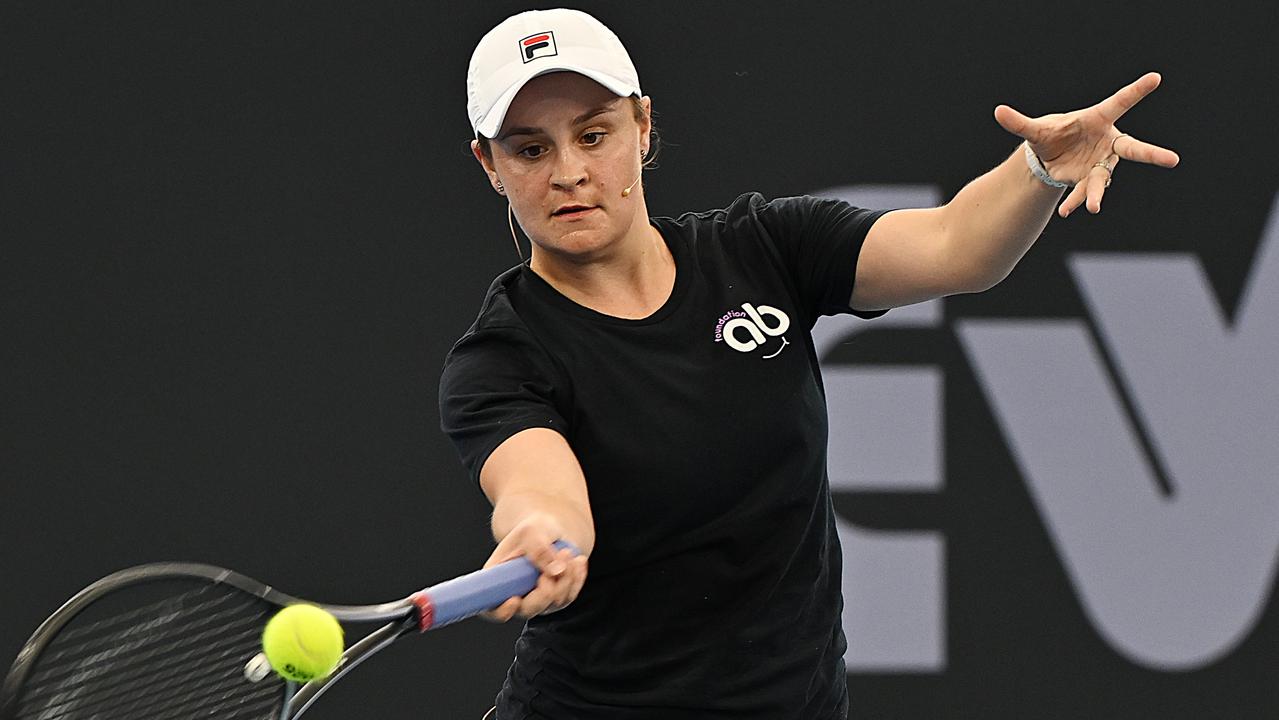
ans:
x=173 y=649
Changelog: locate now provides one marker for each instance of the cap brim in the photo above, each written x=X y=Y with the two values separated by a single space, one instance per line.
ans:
x=497 y=114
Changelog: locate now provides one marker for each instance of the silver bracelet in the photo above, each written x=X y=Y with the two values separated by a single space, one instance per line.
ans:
x=1038 y=170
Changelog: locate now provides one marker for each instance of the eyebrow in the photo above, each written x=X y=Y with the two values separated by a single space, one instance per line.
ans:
x=576 y=121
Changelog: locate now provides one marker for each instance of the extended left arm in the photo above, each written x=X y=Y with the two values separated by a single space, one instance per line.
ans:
x=973 y=242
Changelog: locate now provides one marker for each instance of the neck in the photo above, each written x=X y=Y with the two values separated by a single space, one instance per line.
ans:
x=632 y=280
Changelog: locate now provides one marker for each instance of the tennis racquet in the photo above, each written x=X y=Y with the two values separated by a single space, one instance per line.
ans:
x=174 y=641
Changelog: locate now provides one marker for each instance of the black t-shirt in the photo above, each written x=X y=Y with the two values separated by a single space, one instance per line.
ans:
x=714 y=586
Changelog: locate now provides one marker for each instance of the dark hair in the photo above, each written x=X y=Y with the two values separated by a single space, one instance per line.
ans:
x=637 y=107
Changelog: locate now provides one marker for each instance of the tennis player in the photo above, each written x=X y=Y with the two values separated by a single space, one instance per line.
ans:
x=647 y=388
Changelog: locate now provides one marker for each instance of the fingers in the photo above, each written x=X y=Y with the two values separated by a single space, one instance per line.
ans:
x=1088 y=192
x=544 y=557
x=1114 y=107
x=559 y=583
x=1073 y=200
x=1015 y=123
x=554 y=591
x=502 y=612
x=1130 y=148
x=1092 y=188
x=531 y=538
x=1080 y=138
x=1096 y=184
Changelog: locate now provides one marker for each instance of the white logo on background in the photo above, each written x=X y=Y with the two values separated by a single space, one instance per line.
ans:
x=1173 y=571
x=1170 y=547
x=746 y=329
x=887 y=433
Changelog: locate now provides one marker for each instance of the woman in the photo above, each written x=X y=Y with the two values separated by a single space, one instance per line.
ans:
x=647 y=388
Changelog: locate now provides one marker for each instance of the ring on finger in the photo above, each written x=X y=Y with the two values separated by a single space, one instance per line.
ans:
x=1110 y=170
x=1116 y=139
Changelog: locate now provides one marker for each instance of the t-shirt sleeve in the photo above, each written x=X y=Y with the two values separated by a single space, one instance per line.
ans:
x=819 y=241
x=496 y=382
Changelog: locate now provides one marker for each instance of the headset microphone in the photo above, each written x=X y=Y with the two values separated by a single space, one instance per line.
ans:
x=627 y=191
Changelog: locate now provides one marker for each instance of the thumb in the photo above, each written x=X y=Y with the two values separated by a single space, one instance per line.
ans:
x=1014 y=122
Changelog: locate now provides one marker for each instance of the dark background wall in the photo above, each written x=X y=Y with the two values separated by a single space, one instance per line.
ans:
x=237 y=240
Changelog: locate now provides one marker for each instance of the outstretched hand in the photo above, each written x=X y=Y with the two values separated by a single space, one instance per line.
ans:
x=1084 y=146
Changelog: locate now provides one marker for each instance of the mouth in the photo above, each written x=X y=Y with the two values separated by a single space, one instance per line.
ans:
x=572 y=212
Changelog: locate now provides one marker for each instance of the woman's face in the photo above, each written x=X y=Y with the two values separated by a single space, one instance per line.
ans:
x=567 y=149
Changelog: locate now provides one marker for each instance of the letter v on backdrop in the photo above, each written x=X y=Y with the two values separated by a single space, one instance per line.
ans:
x=1150 y=448
x=1172 y=580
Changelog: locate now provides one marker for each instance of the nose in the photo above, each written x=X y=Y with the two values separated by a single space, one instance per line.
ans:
x=570 y=169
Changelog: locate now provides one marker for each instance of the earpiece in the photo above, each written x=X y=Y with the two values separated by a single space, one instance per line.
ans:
x=627 y=191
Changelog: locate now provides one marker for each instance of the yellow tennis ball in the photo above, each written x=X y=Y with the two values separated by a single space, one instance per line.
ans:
x=302 y=643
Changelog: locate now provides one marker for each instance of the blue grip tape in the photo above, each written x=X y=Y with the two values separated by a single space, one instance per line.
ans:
x=471 y=594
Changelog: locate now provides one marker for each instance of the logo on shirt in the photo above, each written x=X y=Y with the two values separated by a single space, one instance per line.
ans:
x=751 y=327
x=540 y=45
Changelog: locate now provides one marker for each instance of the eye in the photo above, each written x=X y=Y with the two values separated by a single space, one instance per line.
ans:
x=594 y=137
x=532 y=152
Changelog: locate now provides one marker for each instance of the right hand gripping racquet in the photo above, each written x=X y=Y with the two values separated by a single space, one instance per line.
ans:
x=176 y=641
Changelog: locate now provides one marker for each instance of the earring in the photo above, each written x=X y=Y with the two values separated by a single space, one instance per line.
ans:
x=500 y=187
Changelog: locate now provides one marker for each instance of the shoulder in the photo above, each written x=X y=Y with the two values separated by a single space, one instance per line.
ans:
x=499 y=334
x=744 y=205
x=498 y=308
x=754 y=213
x=500 y=311
x=712 y=230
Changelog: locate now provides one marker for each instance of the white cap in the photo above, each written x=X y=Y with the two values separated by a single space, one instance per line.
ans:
x=537 y=42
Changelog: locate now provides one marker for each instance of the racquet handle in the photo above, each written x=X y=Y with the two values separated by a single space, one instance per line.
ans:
x=473 y=593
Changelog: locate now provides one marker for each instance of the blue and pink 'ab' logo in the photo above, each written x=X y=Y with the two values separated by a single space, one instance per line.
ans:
x=539 y=45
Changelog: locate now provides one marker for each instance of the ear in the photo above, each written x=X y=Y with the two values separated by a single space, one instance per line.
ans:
x=487 y=164
x=646 y=125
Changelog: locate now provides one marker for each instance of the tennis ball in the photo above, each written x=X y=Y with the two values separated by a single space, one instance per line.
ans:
x=302 y=643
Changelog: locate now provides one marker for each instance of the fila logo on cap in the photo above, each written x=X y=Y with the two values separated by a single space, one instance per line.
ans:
x=540 y=45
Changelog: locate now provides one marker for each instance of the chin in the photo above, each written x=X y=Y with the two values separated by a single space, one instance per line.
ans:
x=580 y=250
x=581 y=244
x=587 y=234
